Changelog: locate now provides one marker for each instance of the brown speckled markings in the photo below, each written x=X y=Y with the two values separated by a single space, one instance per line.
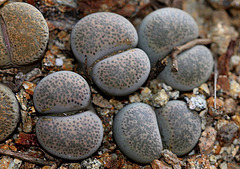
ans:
x=100 y=34
x=122 y=74
x=136 y=133
x=9 y=112
x=163 y=29
x=27 y=32
x=72 y=137
x=195 y=66
x=180 y=127
x=61 y=92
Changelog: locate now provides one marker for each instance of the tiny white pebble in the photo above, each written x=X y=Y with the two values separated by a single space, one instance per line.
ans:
x=59 y=62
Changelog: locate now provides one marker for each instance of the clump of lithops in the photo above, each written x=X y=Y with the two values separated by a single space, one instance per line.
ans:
x=106 y=37
x=166 y=28
x=195 y=66
x=72 y=131
x=141 y=133
x=9 y=112
x=136 y=133
x=23 y=35
x=180 y=127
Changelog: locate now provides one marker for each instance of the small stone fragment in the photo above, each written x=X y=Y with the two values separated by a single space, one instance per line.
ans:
x=91 y=163
x=198 y=161
x=236 y=119
x=196 y=102
x=227 y=132
x=234 y=89
x=179 y=126
x=172 y=159
x=5 y=161
x=22 y=97
x=204 y=90
x=100 y=101
x=116 y=103
x=15 y=164
x=221 y=34
x=214 y=112
x=160 y=98
x=230 y=106
x=29 y=87
x=27 y=122
x=136 y=133
x=156 y=164
x=207 y=140
x=26 y=139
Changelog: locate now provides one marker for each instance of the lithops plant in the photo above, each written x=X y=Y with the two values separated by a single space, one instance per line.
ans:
x=23 y=35
x=72 y=137
x=180 y=127
x=122 y=74
x=9 y=114
x=195 y=66
x=163 y=29
x=136 y=133
x=60 y=92
x=105 y=37
x=100 y=34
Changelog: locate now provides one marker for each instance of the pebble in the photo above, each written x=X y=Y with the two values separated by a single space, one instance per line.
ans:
x=196 y=102
x=160 y=99
x=9 y=114
x=175 y=118
x=227 y=132
x=234 y=89
x=91 y=163
x=172 y=159
x=207 y=140
x=5 y=161
x=156 y=164
x=195 y=67
x=218 y=111
x=27 y=122
x=163 y=29
x=23 y=40
x=198 y=162
x=136 y=133
x=15 y=164
x=70 y=137
x=221 y=34
x=204 y=90
x=123 y=73
x=60 y=92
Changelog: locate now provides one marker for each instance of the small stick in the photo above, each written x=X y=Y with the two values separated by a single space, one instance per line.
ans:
x=35 y=77
x=27 y=158
x=161 y=63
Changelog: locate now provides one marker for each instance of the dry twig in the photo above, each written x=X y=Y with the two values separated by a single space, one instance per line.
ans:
x=161 y=63
x=27 y=158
